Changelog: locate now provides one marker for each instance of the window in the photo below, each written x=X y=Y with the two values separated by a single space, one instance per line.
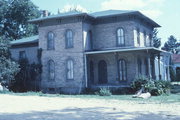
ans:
x=70 y=72
x=122 y=70
x=150 y=40
x=144 y=38
x=139 y=66
x=138 y=36
x=22 y=55
x=50 y=41
x=51 y=70
x=69 y=39
x=120 y=37
x=90 y=39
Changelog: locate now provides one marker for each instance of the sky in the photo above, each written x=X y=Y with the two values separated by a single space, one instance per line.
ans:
x=165 y=12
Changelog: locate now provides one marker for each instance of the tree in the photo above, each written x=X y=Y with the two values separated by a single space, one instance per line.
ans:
x=171 y=44
x=156 y=39
x=8 y=68
x=14 y=16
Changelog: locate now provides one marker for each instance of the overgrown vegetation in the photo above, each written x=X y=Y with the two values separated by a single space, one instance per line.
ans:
x=14 y=16
x=8 y=68
x=27 y=78
x=155 y=87
x=104 y=92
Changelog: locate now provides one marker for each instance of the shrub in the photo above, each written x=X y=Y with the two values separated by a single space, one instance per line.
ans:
x=142 y=82
x=104 y=92
x=155 y=87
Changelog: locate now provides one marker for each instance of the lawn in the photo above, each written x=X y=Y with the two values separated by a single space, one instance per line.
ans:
x=38 y=106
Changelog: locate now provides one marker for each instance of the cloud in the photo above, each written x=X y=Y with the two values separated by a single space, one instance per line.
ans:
x=69 y=7
x=147 y=7
x=123 y=4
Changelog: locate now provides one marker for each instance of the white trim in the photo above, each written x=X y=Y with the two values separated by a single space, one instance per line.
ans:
x=125 y=49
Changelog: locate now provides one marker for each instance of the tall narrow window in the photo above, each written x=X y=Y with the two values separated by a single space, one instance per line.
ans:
x=138 y=36
x=50 y=41
x=51 y=70
x=144 y=38
x=22 y=55
x=150 y=40
x=139 y=66
x=122 y=70
x=90 y=39
x=69 y=39
x=120 y=37
x=70 y=72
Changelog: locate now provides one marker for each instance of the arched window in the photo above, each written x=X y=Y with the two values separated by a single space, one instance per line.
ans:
x=139 y=66
x=138 y=36
x=69 y=39
x=51 y=70
x=122 y=70
x=70 y=69
x=102 y=72
x=50 y=41
x=120 y=37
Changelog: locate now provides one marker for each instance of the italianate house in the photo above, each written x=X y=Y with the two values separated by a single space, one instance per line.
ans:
x=91 y=50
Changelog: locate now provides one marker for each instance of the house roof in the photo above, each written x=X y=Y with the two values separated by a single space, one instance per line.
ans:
x=126 y=49
x=62 y=15
x=109 y=13
x=96 y=15
x=32 y=39
x=176 y=58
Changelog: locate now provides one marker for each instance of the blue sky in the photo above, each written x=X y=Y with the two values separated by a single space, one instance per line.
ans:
x=164 y=12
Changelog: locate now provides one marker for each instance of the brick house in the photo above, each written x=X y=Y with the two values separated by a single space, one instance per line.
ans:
x=82 y=50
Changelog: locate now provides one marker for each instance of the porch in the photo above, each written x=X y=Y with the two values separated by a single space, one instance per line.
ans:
x=119 y=67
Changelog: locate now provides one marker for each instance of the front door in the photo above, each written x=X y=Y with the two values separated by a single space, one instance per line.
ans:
x=102 y=72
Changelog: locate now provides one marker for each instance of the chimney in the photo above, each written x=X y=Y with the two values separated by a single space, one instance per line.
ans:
x=45 y=13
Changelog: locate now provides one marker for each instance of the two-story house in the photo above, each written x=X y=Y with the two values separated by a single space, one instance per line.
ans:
x=82 y=50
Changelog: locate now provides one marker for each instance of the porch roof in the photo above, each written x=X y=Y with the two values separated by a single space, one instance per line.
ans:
x=126 y=50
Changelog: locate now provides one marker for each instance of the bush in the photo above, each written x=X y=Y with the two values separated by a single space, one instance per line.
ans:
x=104 y=92
x=155 y=87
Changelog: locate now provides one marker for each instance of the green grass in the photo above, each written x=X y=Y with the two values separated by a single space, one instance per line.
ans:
x=154 y=99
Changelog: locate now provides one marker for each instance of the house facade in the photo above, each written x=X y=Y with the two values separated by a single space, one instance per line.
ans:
x=81 y=50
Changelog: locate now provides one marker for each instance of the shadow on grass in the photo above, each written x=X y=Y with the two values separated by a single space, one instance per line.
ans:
x=94 y=113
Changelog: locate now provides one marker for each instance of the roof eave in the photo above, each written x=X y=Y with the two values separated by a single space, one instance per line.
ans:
x=55 y=17
x=125 y=50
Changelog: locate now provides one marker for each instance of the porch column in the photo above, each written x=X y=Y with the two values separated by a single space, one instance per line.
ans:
x=117 y=74
x=149 y=66
x=153 y=68
x=159 y=66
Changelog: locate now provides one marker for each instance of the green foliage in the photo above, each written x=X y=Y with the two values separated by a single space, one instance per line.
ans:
x=156 y=40
x=14 y=16
x=104 y=92
x=155 y=87
x=8 y=68
x=171 y=45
